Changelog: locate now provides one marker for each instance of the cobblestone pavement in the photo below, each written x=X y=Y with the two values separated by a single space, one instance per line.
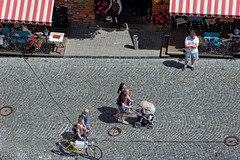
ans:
x=195 y=110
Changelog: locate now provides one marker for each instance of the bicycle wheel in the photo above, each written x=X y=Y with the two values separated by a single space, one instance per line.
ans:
x=94 y=152
x=66 y=146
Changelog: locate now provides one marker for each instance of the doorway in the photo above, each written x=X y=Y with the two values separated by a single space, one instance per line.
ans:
x=136 y=11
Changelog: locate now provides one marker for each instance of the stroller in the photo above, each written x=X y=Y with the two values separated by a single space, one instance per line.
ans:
x=145 y=115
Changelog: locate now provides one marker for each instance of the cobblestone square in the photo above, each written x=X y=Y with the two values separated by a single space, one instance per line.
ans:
x=195 y=110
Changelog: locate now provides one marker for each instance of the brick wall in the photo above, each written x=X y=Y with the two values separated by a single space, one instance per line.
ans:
x=78 y=10
x=159 y=7
x=81 y=10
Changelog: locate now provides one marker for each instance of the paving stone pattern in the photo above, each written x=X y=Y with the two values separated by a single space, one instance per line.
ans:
x=195 y=110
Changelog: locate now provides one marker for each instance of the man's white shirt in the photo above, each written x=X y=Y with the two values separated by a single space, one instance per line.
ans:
x=191 y=41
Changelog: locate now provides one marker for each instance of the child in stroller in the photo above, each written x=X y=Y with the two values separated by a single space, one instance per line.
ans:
x=145 y=115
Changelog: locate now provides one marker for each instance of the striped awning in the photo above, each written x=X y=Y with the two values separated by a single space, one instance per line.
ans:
x=205 y=8
x=26 y=11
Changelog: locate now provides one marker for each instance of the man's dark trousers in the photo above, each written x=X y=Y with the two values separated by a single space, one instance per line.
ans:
x=115 y=14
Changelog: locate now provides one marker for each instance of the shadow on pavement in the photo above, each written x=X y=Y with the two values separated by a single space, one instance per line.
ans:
x=107 y=114
x=147 y=40
x=85 y=31
x=67 y=135
x=64 y=153
x=171 y=63
x=131 y=120
x=129 y=46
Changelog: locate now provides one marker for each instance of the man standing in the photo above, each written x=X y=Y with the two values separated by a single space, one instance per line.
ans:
x=121 y=103
x=116 y=6
x=191 y=44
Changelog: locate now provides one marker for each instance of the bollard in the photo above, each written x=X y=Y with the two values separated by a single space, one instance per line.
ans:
x=135 y=42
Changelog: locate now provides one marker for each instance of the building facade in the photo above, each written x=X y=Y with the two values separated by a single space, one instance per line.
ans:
x=82 y=10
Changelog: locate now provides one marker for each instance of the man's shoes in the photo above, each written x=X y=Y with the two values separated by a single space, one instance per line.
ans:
x=184 y=68
x=125 y=122
x=192 y=68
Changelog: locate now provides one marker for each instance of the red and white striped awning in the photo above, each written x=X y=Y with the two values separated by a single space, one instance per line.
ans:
x=26 y=11
x=205 y=8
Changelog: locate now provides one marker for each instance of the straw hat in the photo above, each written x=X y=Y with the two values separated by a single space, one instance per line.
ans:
x=146 y=106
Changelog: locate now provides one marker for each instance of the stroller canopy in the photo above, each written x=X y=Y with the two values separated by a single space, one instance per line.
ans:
x=146 y=106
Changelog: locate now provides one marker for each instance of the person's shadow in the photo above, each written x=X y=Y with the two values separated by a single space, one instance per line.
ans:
x=172 y=63
x=67 y=135
x=107 y=114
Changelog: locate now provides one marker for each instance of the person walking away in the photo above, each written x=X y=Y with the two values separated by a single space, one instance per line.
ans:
x=191 y=44
x=116 y=6
x=122 y=105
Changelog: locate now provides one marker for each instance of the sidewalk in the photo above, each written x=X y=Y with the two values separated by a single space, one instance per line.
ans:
x=88 y=40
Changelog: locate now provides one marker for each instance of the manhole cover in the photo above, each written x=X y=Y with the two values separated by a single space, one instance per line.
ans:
x=231 y=141
x=6 y=110
x=114 y=131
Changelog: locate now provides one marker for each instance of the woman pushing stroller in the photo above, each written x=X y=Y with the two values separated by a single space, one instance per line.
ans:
x=128 y=101
x=122 y=107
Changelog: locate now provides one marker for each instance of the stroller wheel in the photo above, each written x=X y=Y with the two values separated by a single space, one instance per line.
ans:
x=137 y=124
x=149 y=126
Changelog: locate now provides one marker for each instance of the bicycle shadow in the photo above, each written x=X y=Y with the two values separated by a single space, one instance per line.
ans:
x=107 y=113
x=174 y=64
x=61 y=152
x=65 y=153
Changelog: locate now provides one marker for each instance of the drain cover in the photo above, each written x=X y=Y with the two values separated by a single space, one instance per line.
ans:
x=231 y=141
x=114 y=131
x=6 y=110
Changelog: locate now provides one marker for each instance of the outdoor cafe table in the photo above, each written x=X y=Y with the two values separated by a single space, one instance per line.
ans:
x=20 y=36
x=56 y=37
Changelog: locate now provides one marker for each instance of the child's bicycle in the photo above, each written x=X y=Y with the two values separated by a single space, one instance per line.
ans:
x=78 y=147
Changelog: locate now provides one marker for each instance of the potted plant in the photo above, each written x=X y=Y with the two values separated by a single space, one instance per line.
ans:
x=159 y=19
x=33 y=43
x=238 y=44
x=100 y=7
x=202 y=42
